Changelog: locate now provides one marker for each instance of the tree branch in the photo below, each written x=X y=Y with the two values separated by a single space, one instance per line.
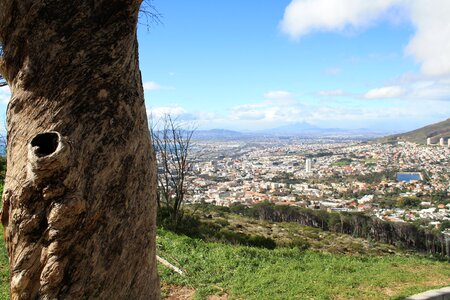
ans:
x=150 y=14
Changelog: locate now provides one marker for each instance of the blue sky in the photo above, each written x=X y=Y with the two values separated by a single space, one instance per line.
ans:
x=256 y=64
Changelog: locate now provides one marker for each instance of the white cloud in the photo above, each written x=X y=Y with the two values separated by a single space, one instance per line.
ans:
x=155 y=114
x=268 y=112
x=400 y=114
x=277 y=95
x=385 y=92
x=249 y=112
x=419 y=87
x=430 y=45
x=429 y=90
x=303 y=16
x=332 y=93
x=151 y=86
x=173 y=111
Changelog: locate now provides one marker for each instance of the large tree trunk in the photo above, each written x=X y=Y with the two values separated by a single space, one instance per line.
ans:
x=79 y=198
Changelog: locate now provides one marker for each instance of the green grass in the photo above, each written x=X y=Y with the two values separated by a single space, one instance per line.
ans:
x=4 y=271
x=342 y=162
x=284 y=273
x=4 y=263
x=254 y=273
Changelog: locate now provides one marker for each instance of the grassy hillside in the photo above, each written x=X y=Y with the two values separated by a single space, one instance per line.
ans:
x=230 y=228
x=242 y=272
x=307 y=263
x=435 y=131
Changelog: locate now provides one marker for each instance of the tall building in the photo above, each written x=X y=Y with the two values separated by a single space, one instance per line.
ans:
x=308 y=165
x=441 y=142
x=428 y=141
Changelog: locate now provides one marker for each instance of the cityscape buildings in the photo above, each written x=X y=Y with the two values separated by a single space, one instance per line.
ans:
x=348 y=175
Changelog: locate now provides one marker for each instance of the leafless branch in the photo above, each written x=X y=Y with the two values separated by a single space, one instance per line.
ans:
x=150 y=14
x=172 y=141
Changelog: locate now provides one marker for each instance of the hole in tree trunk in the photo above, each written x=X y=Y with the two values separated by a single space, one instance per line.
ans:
x=45 y=143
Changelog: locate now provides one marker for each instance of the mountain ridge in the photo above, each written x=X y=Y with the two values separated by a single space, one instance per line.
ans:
x=301 y=129
x=434 y=131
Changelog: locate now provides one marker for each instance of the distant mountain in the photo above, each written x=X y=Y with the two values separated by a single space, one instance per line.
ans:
x=433 y=131
x=308 y=130
x=302 y=129
x=217 y=134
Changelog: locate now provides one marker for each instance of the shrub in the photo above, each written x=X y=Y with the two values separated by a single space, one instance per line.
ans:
x=261 y=242
x=299 y=243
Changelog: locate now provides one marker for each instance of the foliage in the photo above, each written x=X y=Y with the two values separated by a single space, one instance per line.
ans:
x=377 y=177
x=298 y=243
x=403 y=235
x=343 y=162
x=237 y=238
x=214 y=230
x=319 y=154
x=445 y=224
x=441 y=196
x=409 y=202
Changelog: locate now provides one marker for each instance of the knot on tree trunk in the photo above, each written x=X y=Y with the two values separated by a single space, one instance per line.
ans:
x=48 y=155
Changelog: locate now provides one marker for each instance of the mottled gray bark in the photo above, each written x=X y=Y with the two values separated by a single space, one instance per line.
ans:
x=79 y=198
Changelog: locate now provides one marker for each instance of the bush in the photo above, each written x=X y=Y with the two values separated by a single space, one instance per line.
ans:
x=222 y=222
x=187 y=224
x=238 y=238
x=261 y=242
x=409 y=202
x=299 y=243
x=238 y=208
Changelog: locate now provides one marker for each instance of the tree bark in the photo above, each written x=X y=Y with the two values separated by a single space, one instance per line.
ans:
x=79 y=198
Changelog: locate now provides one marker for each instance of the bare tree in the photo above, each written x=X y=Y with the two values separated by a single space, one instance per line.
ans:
x=79 y=200
x=172 y=143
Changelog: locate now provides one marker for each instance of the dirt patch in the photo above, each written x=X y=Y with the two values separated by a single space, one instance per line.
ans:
x=218 y=297
x=175 y=292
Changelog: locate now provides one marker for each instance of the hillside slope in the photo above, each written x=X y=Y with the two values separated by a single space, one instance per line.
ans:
x=240 y=272
x=307 y=263
x=434 y=131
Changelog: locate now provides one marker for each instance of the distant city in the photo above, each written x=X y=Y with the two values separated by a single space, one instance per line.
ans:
x=397 y=182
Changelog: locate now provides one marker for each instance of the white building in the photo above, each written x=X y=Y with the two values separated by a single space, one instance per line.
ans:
x=308 y=165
